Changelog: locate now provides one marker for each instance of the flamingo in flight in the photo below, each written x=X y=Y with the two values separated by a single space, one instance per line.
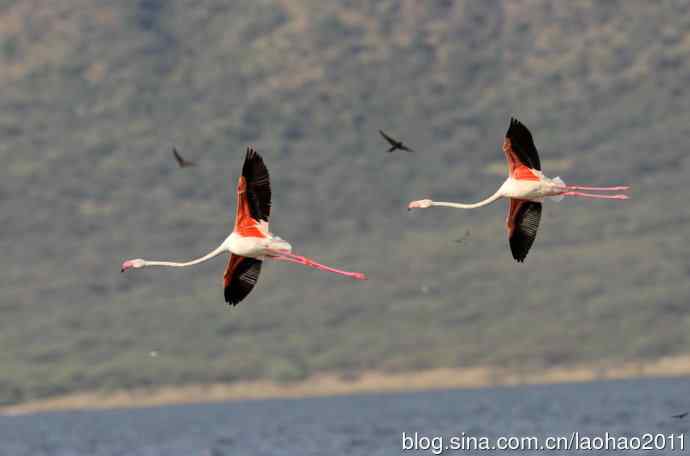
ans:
x=250 y=241
x=526 y=188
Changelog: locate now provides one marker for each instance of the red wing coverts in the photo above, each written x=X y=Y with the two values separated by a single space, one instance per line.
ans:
x=258 y=186
x=523 y=223
x=240 y=277
x=522 y=145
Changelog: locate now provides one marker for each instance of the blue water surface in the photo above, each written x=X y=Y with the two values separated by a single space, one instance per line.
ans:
x=361 y=425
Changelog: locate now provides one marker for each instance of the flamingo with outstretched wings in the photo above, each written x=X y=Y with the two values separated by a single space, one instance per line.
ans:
x=526 y=187
x=250 y=242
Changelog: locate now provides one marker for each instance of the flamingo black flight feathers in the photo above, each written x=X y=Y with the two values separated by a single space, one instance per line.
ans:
x=395 y=144
x=523 y=144
x=523 y=223
x=258 y=182
x=181 y=162
x=240 y=277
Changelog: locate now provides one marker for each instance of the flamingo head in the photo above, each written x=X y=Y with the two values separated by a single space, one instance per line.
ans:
x=135 y=263
x=419 y=204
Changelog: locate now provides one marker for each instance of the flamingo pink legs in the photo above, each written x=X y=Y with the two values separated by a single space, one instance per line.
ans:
x=595 y=196
x=297 y=259
x=599 y=189
x=571 y=190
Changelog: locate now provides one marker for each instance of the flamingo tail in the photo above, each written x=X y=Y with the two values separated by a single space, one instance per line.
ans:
x=559 y=182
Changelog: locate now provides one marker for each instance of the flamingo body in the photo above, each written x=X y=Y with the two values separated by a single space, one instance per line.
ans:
x=531 y=189
x=526 y=188
x=254 y=246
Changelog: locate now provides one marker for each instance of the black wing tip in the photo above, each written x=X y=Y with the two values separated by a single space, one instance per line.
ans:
x=515 y=126
x=230 y=299
x=252 y=153
x=519 y=132
x=251 y=157
x=518 y=251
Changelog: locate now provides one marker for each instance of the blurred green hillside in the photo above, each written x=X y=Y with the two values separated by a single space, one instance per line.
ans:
x=94 y=94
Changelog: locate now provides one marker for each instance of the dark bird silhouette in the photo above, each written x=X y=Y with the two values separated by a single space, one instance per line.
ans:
x=181 y=162
x=680 y=416
x=395 y=144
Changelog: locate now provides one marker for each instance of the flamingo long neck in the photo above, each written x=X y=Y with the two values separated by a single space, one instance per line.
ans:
x=485 y=202
x=221 y=248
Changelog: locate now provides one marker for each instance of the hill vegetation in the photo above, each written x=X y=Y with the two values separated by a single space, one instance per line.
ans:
x=96 y=93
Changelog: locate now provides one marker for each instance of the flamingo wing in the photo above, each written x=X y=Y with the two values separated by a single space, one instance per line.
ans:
x=519 y=147
x=522 y=224
x=240 y=277
x=258 y=184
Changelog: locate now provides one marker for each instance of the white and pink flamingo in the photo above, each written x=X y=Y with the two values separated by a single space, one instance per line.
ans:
x=250 y=241
x=526 y=188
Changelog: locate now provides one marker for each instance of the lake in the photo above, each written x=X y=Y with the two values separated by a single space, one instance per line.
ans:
x=369 y=424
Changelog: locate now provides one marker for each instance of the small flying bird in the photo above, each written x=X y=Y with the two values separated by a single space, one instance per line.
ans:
x=680 y=416
x=395 y=144
x=525 y=188
x=250 y=242
x=181 y=162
